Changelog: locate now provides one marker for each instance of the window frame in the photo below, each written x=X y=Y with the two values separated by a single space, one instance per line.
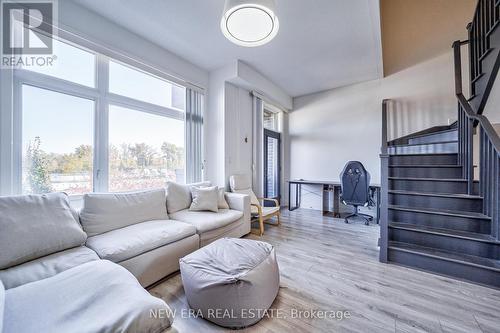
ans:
x=102 y=98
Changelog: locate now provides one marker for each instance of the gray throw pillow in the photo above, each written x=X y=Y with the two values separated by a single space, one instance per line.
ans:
x=205 y=198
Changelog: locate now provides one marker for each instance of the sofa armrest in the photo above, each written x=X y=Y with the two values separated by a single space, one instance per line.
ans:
x=240 y=202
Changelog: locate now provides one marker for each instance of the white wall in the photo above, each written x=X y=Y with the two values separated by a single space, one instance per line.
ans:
x=329 y=128
x=247 y=77
x=238 y=124
x=214 y=128
x=492 y=108
x=229 y=119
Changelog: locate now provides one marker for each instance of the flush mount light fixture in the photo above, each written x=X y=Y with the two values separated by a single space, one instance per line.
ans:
x=249 y=22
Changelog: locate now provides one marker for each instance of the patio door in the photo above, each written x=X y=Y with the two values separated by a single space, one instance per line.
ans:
x=272 y=164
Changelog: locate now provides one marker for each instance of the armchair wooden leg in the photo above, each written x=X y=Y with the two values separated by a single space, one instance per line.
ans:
x=261 y=225
x=279 y=220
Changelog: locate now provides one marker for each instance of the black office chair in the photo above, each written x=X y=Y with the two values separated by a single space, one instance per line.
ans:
x=356 y=189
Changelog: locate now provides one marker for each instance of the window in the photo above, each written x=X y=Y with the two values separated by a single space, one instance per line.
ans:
x=126 y=81
x=145 y=150
x=76 y=134
x=72 y=64
x=57 y=150
x=271 y=120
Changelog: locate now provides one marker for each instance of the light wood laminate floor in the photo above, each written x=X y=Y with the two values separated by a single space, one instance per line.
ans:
x=328 y=265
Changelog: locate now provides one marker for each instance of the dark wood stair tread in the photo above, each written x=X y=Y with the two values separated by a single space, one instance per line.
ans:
x=458 y=180
x=471 y=215
x=424 y=154
x=442 y=195
x=424 y=166
x=466 y=259
x=453 y=129
x=486 y=238
x=423 y=133
x=422 y=144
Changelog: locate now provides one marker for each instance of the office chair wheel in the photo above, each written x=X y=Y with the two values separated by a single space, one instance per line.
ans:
x=367 y=223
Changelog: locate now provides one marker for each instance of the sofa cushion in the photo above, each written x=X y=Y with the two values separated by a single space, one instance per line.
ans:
x=205 y=199
x=47 y=266
x=214 y=234
x=103 y=212
x=98 y=296
x=206 y=221
x=125 y=243
x=179 y=195
x=33 y=226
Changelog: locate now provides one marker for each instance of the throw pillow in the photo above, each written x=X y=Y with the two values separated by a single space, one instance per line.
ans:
x=205 y=198
x=179 y=195
x=222 y=199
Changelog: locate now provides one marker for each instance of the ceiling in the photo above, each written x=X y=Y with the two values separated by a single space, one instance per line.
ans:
x=321 y=44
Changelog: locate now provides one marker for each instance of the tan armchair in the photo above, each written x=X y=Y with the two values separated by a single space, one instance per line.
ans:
x=242 y=184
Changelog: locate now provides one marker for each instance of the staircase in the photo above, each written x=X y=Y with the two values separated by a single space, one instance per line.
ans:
x=434 y=224
x=440 y=212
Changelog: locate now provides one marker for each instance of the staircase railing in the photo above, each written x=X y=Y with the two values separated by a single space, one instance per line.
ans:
x=384 y=186
x=482 y=74
x=489 y=150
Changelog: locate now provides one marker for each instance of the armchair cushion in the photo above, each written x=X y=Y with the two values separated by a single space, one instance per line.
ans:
x=33 y=226
x=242 y=184
x=265 y=210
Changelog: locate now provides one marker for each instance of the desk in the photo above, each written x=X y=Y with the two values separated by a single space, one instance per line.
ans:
x=328 y=186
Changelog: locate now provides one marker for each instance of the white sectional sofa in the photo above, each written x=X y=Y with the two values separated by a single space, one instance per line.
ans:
x=229 y=222
x=51 y=282
x=40 y=237
x=59 y=268
x=134 y=230
x=97 y=296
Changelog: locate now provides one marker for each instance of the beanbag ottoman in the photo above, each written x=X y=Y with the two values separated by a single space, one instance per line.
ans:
x=231 y=282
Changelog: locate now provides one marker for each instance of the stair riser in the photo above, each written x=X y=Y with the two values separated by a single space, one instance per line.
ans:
x=432 y=148
x=424 y=160
x=443 y=242
x=430 y=172
x=430 y=186
x=437 y=137
x=422 y=201
x=449 y=268
x=441 y=221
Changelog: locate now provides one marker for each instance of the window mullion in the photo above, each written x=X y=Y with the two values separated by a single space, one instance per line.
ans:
x=55 y=84
x=101 y=136
x=17 y=137
x=138 y=105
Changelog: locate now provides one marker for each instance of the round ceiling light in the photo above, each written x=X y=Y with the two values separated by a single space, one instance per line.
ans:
x=249 y=22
